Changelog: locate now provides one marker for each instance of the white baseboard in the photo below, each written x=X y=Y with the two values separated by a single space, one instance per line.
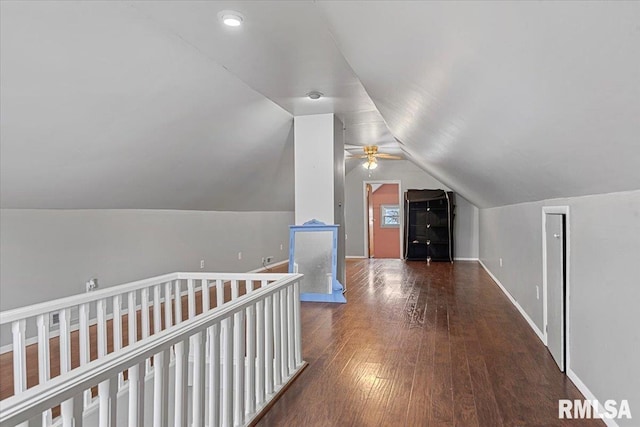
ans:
x=515 y=303
x=355 y=257
x=588 y=395
x=270 y=266
x=465 y=259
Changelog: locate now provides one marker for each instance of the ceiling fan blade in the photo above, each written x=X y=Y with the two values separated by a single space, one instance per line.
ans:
x=363 y=156
x=388 y=156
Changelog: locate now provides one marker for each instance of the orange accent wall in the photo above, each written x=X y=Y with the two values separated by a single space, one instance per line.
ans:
x=386 y=241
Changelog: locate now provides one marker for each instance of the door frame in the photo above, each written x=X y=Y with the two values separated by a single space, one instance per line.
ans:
x=558 y=210
x=366 y=207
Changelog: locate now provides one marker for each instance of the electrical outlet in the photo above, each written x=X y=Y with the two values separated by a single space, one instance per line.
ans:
x=92 y=285
x=500 y=262
x=537 y=292
x=201 y=263
x=281 y=246
x=268 y=260
x=239 y=255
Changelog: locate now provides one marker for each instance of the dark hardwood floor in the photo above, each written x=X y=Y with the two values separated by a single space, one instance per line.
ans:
x=420 y=345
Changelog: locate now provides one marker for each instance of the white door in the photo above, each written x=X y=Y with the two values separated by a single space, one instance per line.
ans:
x=555 y=288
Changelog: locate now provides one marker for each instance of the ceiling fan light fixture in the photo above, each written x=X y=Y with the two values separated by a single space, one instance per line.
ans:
x=231 y=18
x=370 y=164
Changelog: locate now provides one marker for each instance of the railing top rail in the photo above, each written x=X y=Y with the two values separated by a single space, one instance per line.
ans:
x=74 y=300
x=63 y=387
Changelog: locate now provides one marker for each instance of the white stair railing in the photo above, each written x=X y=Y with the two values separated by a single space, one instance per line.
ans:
x=120 y=315
x=227 y=365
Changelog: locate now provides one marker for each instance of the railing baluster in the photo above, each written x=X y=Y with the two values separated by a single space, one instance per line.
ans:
x=198 y=388
x=250 y=376
x=297 y=324
x=291 y=330
x=284 y=334
x=136 y=395
x=206 y=304
x=144 y=320
x=157 y=308
x=191 y=298
x=18 y=329
x=67 y=407
x=269 y=345
x=178 y=297
x=181 y=386
x=117 y=331
x=227 y=372
x=219 y=292
x=168 y=306
x=214 y=375
x=107 y=405
x=103 y=387
x=168 y=310
x=235 y=289
x=136 y=373
x=260 y=351
x=238 y=352
x=161 y=389
x=113 y=400
x=44 y=361
x=84 y=342
x=146 y=327
x=74 y=412
x=132 y=312
x=277 y=340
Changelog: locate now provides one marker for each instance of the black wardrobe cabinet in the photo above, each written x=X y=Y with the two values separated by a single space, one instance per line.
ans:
x=428 y=233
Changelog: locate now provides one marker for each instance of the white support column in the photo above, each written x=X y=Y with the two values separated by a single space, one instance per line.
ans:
x=319 y=174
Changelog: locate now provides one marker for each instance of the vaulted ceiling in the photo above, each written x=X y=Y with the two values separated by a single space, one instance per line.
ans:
x=155 y=104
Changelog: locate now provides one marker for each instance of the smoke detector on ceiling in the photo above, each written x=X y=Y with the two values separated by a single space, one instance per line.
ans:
x=314 y=94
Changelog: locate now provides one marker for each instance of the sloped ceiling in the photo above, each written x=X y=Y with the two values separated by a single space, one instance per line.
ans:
x=101 y=109
x=156 y=105
x=504 y=102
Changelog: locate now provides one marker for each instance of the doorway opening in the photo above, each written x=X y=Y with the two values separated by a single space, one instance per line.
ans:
x=383 y=219
x=555 y=287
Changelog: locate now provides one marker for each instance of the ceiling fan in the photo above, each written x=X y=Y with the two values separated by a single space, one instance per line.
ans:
x=371 y=155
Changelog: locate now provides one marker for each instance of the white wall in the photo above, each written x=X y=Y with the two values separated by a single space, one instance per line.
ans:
x=313 y=165
x=47 y=254
x=410 y=177
x=604 y=288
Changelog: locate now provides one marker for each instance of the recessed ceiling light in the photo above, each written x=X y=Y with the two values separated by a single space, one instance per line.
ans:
x=231 y=18
x=314 y=94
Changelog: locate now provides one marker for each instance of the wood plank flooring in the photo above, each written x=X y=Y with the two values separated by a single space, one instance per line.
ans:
x=420 y=345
